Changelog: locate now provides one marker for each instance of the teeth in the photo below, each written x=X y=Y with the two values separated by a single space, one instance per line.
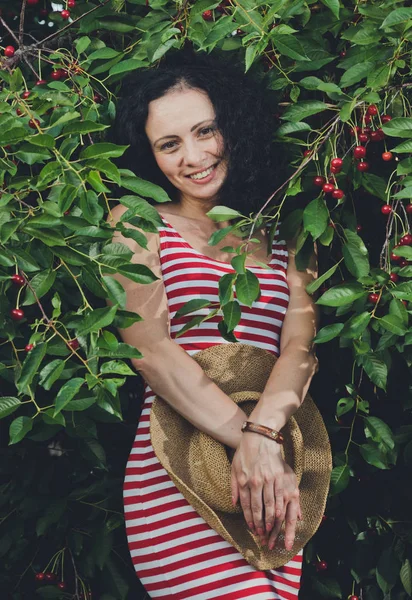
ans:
x=202 y=174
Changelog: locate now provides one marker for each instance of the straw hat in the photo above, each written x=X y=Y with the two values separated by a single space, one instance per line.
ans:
x=200 y=467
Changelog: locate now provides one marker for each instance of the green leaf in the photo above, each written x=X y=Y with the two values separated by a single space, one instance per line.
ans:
x=117 y=366
x=137 y=273
x=219 y=235
x=19 y=428
x=232 y=314
x=399 y=310
x=223 y=213
x=355 y=255
x=192 y=323
x=8 y=404
x=326 y=587
x=115 y=290
x=31 y=365
x=141 y=207
x=238 y=263
x=404 y=147
x=393 y=324
x=55 y=511
x=339 y=479
x=290 y=46
x=97 y=319
x=344 y=406
x=316 y=283
x=192 y=306
x=398 y=127
x=356 y=73
x=374 y=455
x=375 y=369
x=144 y=188
x=103 y=150
x=379 y=431
x=105 y=53
x=43 y=140
x=316 y=217
x=374 y=185
x=342 y=294
x=226 y=288
x=247 y=288
x=80 y=404
x=122 y=351
x=48 y=236
x=41 y=284
x=387 y=569
x=303 y=109
x=334 y=6
x=327 y=333
x=83 y=127
x=405 y=193
x=356 y=325
x=125 y=66
x=405 y=575
x=66 y=393
x=397 y=16
x=51 y=373
x=125 y=319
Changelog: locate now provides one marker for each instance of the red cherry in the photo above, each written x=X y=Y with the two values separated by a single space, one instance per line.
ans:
x=395 y=257
x=43 y=12
x=9 y=51
x=336 y=162
x=322 y=565
x=374 y=298
x=18 y=279
x=56 y=75
x=403 y=262
x=366 y=130
x=409 y=209
x=98 y=99
x=17 y=314
x=372 y=110
x=363 y=137
x=64 y=72
x=404 y=302
x=328 y=188
x=39 y=576
x=50 y=577
x=207 y=15
x=387 y=156
x=320 y=181
x=71 y=3
x=25 y=95
x=358 y=228
x=354 y=130
x=359 y=152
x=61 y=585
x=406 y=240
x=353 y=597
x=335 y=170
x=73 y=344
x=363 y=166
x=386 y=209
x=41 y=82
x=19 y=112
x=29 y=347
x=367 y=119
x=394 y=277
x=338 y=194
x=386 y=118
x=342 y=53
x=307 y=153
x=34 y=123
x=32 y=2
x=65 y=14
x=377 y=136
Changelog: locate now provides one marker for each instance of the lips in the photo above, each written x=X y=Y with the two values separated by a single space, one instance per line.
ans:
x=201 y=170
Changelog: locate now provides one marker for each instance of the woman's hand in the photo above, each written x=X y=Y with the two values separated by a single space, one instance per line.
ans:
x=267 y=488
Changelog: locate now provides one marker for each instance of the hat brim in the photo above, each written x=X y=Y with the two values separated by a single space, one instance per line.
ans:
x=167 y=426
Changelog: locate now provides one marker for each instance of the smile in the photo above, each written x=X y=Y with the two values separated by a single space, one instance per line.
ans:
x=202 y=174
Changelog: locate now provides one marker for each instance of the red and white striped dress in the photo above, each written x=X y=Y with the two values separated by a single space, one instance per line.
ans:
x=176 y=554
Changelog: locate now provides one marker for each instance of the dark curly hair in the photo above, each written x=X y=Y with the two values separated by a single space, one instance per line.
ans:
x=243 y=114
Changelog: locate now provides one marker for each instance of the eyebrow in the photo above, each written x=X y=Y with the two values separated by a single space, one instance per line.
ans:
x=166 y=137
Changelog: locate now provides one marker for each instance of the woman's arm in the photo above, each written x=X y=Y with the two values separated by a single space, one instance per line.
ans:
x=291 y=376
x=263 y=482
x=166 y=367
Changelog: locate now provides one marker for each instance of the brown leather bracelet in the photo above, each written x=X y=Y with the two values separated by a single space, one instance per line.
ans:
x=263 y=430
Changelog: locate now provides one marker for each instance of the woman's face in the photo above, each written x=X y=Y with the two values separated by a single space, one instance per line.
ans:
x=186 y=144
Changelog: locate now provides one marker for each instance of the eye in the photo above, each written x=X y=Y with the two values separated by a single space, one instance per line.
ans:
x=207 y=130
x=167 y=146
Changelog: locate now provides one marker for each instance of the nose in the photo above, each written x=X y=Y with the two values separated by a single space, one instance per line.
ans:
x=192 y=154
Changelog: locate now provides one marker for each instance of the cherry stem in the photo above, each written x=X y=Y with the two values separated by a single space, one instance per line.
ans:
x=21 y=25
x=3 y=22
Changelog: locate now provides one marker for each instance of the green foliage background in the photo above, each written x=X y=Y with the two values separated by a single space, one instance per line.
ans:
x=69 y=411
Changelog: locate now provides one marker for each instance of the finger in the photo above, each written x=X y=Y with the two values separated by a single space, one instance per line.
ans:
x=234 y=487
x=290 y=523
x=280 y=509
x=269 y=503
x=244 y=495
x=256 y=498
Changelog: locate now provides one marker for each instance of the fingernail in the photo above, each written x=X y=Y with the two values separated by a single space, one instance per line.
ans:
x=268 y=526
x=271 y=545
x=263 y=541
x=251 y=527
x=260 y=531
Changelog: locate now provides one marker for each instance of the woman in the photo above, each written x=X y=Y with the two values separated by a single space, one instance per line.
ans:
x=203 y=131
